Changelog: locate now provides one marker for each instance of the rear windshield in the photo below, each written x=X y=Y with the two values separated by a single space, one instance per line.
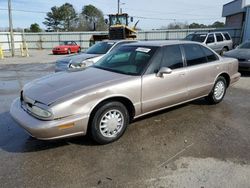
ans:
x=196 y=37
x=100 y=48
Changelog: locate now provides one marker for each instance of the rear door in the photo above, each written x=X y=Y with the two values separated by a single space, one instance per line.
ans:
x=210 y=42
x=170 y=89
x=201 y=69
x=220 y=42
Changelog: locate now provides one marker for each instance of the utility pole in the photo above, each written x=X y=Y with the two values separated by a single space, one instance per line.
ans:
x=11 y=29
x=118 y=7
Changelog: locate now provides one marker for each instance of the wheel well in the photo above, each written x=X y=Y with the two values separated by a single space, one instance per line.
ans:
x=227 y=78
x=226 y=47
x=125 y=101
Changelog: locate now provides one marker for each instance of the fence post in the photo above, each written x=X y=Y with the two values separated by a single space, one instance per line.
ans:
x=21 y=50
x=26 y=50
x=146 y=35
x=166 y=35
x=1 y=53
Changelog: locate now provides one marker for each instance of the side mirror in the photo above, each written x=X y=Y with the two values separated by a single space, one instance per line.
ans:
x=164 y=70
x=131 y=19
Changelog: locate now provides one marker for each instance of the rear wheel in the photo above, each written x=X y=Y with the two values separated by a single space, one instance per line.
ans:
x=109 y=122
x=225 y=49
x=218 y=92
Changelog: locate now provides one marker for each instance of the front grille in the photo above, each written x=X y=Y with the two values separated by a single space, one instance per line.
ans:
x=116 y=33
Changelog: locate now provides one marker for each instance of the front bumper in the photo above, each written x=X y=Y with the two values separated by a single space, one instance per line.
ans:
x=244 y=65
x=60 y=68
x=59 y=51
x=48 y=130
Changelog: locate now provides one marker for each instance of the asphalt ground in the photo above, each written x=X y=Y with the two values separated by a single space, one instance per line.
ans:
x=192 y=145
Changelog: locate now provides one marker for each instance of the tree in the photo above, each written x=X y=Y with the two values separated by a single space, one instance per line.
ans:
x=68 y=16
x=218 y=24
x=176 y=25
x=35 y=28
x=61 y=18
x=53 y=19
x=93 y=18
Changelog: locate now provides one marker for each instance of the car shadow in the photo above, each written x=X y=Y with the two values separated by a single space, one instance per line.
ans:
x=14 y=139
x=245 y=73
x=198 y=102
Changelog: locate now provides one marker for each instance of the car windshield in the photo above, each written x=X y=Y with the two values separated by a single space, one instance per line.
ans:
x=66 y=43
x=130 y=60
x=245 y=45
x=196 y=37
x=100 y=48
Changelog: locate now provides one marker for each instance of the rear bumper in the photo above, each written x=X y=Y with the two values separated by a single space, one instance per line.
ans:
x=48 y=130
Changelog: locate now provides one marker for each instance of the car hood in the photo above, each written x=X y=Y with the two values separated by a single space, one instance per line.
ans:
x=77 y=58
x=239 y=53
x=52 y=88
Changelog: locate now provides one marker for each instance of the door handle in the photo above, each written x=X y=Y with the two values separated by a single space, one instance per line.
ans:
x=182 y=74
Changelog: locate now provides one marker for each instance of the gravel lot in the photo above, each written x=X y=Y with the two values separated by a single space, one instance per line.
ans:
x=192 y=145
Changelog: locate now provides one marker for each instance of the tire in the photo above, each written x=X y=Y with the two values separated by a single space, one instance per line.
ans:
x=109 y=122
x=225 y=49
x=218 y=92
x=69 y=51
x=79 y=50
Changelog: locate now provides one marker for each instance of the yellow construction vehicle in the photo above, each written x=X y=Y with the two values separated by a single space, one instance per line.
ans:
x=118 y=27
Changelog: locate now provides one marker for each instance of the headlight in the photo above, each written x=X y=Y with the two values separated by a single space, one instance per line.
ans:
x=65 y=48
x=83 y=64
x=37 y=111
x=77 y=65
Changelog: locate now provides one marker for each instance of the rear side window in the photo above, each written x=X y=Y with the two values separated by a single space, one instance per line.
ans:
x=227 y=36
x=172 y=57
x=194 y=54
x=211 y=56
x=219 y=37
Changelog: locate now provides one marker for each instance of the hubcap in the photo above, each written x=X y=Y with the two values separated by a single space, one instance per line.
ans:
x=111 y=123
x=219 y=90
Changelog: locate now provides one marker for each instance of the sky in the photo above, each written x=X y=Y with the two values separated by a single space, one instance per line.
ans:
x=153 y=14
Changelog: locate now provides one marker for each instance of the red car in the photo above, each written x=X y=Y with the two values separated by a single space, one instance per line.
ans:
x=66 y=47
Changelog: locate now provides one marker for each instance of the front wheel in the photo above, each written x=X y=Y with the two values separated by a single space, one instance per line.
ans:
x=218 y=92
x=109 y=122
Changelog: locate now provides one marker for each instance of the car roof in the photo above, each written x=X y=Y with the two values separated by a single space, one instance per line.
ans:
x=205 y=33
x=161 y=43
x=116 y=41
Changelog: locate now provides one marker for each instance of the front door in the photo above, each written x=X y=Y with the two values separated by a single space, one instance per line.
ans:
x=170 y=89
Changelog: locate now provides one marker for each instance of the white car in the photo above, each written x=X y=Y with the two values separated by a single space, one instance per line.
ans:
x=218 y=41
x=90 y=56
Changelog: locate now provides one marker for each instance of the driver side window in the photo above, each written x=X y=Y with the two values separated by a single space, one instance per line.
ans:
x=168 y=56
x=210 y=39
x=172 y=57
